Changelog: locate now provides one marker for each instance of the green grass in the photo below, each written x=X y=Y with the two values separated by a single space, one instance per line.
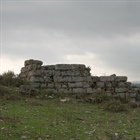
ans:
x=50 y=119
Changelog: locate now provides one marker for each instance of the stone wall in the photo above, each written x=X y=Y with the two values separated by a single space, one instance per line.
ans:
x=73 y=78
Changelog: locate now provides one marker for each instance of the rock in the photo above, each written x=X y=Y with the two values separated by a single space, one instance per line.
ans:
x=31 y=61
x=28 y=90
x=134 y=104
x=121 y=79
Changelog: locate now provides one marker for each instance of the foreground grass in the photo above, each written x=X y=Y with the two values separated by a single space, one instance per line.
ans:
x=51 y=119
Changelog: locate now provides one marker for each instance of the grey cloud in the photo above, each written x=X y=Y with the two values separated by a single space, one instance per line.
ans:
x=90 y=17
x=53 y=31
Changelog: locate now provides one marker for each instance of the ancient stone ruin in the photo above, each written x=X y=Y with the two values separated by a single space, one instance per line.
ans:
x=74 y=78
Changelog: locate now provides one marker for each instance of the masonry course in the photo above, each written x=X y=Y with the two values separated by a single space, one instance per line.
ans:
x=73 y=78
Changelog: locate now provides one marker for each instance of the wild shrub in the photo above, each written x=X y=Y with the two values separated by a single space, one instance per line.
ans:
x=115 y=105
x=4 y=91
x=10 y=79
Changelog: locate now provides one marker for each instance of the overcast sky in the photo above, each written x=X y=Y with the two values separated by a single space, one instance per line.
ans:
x=102 y=34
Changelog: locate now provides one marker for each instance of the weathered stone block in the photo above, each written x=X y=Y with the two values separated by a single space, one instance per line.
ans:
x=50 y=85
x=108 y=84
x=36 y=85
x=36 y=79
x=95 y=78
x=50 y=67
x=48 y=79
x=31 y=61
x=100 y=84
x=121 y=79
x=23 y=70
x=89 y=90
x=89 y=79
x=121 y=90
x=107 y=78
x=133 y=94
x=79 y=84
x=71 y=85
x=43 y=85
x=57 y=85
x=62 y=79
x=122 y=95
x=128 y=84
x=121 y=84
x=77 y=90
x=87 y=84
x=63 y=67
x=77 y=79
x=48 y=72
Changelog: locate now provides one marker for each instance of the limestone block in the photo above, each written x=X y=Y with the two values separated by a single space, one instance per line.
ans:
x=50 y=67
x=109 y=94
x=23 y=75
x=33 y=67
x=89 y=90
x=89 y=78
x=100 y=84
x=50 y=91
x=87 y=84
x=121 y=84
x=23 y=70
x=71 y=85
x=78 y=84
x=35 y=73
x=77 y=79
x=114 y=84
x=62 y=79
x=35 y=85
x=110 y=90
x=50 y=85
x=63 y=67
x=57 y=73
x=99 y=90
x=121 y=79
x=36 y=79
x=78 y=66
x=57 y=85
x=64 y=90
x=107 y=78
x=121 y=95
x=31 y=61
x=43 y=85
x=69 y=66
x=121 y=90
x=84 y=73
x=48 y=79
x=128 y=84
x=133 y=94
x=64 y=85
x=77 y=90
x=48 y=72
x=103 y=78
x=68 y=73
x=108 y=84
x=95 y=79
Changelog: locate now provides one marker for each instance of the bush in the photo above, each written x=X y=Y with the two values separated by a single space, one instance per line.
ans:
x=115 y=105
x=10 y=79
x=4 y=91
